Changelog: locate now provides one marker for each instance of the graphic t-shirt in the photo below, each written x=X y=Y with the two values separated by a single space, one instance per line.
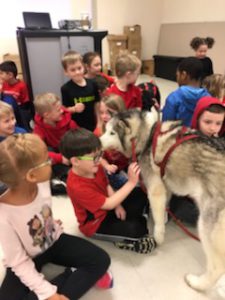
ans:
x=72 y=94
x=27 y=231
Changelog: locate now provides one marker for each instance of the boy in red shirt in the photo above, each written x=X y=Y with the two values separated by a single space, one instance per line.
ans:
x=52 y=121
x=16 y=88
x=127 y=69
x=101 y=212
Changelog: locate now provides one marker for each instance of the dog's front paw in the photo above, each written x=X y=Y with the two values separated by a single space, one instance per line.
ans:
x=159 y=236
x=194 y=282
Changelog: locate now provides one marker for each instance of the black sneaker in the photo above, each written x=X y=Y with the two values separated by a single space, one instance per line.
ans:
x=58 y=187
x=143 y=245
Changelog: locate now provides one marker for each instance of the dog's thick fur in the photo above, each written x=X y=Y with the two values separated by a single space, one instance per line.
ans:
x=195 y=168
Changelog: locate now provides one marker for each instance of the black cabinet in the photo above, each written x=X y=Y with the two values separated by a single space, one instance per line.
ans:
x=41 y=52
x=166 y=66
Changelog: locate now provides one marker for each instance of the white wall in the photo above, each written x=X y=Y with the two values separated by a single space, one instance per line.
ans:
x=113 y=15
x=11 y=18
x=183 y=11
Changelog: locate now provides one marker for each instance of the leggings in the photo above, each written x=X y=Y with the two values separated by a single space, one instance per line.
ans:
x=135 y=225
x=90 y=261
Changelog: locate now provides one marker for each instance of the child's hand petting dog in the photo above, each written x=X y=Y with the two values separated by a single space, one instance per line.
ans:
x=120 y=212
x=133 y=173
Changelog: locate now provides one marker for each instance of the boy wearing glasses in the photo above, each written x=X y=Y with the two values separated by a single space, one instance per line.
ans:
x=101 y=212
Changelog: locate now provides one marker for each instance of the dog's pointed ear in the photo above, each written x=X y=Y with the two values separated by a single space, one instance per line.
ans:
x=112 y=113
x=124 y=126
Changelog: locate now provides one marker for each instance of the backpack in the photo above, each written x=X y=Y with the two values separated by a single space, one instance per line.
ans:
x=150 y=95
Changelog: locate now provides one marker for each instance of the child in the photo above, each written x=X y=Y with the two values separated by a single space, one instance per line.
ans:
x=180 y=104
x=102 y=84
x=98 y=209
x=8 y=121
x=52 y=121
x=150 y=95
x=29 y=240
x=209 y=117
x=93 y=65
x=16 y=88
x=201 y=46
x=215 y=85
x=79 y=95
x=113 y=161
x=127 y=69
x=7 y=127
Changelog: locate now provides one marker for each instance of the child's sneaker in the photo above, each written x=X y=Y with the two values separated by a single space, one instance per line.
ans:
x=143 y=245
x=106 y=281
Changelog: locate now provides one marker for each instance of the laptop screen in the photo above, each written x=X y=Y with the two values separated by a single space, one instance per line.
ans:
x=37 y=20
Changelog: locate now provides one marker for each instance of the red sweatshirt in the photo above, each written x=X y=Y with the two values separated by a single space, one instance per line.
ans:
x=53 y=134
x=17 y=90
x=201 y=106
x=132 y=97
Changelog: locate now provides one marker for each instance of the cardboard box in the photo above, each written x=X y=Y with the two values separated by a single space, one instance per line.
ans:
x=117 y=43
x=148 y=67
x=132 y=32
x=136 y=51
x=15 y=58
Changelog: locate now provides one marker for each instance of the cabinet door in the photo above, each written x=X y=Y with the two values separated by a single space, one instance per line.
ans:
x=81 y=44
x=44 y=59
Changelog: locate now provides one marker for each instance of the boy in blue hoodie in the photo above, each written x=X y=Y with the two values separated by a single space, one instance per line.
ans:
x=180 y=104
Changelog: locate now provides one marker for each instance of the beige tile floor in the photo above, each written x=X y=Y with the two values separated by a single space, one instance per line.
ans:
x=157 y=276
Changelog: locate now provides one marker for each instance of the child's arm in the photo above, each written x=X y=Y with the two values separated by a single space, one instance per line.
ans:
x=16 y=258
x=110 y=168
x=67 y=101
x=77 y=108
x=119 y=210
x=114 y=200
x=169 y=111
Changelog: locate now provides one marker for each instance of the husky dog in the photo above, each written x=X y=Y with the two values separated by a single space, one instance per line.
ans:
x=196 y=167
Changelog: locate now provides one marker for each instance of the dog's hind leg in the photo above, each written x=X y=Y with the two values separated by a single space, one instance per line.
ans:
x=214 y=257
x=157 y=195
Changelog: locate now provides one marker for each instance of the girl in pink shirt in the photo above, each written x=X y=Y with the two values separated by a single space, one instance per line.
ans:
x=29 y=235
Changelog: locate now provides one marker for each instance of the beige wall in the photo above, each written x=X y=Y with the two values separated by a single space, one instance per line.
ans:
x=182 y=20
x=182 y=11
x=113 y=15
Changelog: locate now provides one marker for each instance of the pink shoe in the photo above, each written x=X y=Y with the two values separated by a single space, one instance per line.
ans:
x=105 y=282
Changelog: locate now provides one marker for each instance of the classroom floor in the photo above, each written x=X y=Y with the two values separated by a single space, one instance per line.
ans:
x=156 y=276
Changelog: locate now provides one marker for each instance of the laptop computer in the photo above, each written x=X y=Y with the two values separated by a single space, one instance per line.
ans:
x=37 y=20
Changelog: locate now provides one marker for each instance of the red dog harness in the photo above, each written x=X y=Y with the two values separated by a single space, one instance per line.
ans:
x=180 y=138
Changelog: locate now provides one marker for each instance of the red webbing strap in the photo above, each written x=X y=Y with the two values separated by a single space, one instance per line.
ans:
x=155 y=137
x=181 y=225
x=134 y=159
x=134 y=155
x=162 y=164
